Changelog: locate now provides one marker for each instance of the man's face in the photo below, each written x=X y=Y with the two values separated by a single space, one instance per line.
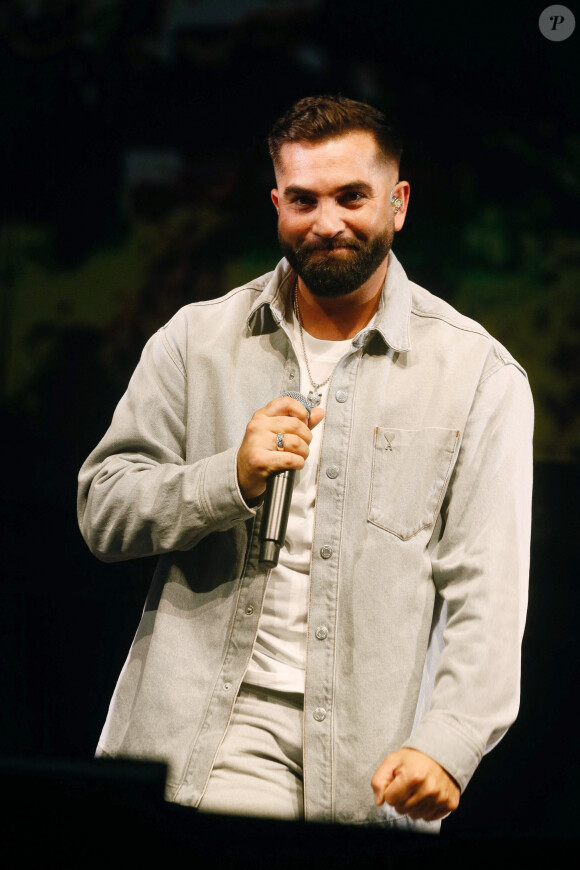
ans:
x=336 y=223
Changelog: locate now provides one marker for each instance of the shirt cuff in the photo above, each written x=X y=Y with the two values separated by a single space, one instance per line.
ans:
x=223 y=500
x=448 y=742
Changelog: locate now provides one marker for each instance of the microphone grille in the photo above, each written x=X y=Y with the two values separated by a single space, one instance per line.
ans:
x=299 y=398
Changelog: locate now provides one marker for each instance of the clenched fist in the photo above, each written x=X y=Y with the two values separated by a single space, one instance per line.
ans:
x=415 y=785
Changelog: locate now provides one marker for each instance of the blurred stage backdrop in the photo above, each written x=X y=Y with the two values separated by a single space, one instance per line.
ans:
x=135 y=179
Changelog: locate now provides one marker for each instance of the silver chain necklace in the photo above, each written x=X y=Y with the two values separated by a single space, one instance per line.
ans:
x=314 y=397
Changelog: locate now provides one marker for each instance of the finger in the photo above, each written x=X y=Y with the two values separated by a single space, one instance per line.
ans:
x=429 y=810
x=400 y=792
x=267 y=462
x=428 y=801
x=384 y=776
x=436 y=815
x=419 y=810
x=288 y=425
x=286 y=406
x=291 y=444
x=316 y=415
x=411 y=799
x=283 y=460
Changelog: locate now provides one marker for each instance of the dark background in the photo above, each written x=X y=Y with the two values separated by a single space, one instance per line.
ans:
x=135 y=179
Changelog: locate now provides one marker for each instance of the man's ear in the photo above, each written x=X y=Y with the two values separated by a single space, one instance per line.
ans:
x=403 y=192
x=275 y=199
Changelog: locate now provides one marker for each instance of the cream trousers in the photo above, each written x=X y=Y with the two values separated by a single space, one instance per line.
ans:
x=258 y=767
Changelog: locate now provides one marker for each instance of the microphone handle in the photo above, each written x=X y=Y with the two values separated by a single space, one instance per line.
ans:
x=275 y=512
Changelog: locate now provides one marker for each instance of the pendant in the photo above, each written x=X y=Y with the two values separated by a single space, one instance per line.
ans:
x=314 y=398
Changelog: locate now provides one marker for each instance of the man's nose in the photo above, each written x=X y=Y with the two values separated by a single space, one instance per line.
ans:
x=327 y=221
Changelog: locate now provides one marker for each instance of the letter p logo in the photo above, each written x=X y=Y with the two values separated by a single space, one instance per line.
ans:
x=557 y=23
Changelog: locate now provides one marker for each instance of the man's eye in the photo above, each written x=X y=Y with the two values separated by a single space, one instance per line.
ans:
x=353 y=198
x=302 y=201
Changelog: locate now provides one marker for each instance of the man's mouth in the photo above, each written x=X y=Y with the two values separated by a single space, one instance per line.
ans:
x=336 y=248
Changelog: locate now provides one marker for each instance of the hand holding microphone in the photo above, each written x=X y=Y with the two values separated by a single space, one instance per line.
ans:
x=276 y=440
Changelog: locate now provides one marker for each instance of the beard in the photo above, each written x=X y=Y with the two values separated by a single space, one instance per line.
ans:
x=337 y=275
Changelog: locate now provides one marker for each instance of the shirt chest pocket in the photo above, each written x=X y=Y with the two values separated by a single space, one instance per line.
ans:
x=411 y=468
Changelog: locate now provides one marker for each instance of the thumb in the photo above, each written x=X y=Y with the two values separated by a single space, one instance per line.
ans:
x=384 y=775
x=316 y=415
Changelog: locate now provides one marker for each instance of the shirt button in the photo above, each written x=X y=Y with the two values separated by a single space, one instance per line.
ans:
x=332 y=471
x=292 y=375
x=319 y=714
x=249 y=609
x=341 y=396
x=326 y=552
x=321 y=632
x=227 y=687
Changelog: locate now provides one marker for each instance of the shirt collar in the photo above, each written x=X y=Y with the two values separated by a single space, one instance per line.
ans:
x=392 y=318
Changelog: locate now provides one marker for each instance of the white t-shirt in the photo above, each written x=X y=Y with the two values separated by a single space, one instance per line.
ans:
x=279 y=656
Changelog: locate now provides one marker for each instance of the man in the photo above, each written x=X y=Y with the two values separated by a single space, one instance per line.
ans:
x=363 y=678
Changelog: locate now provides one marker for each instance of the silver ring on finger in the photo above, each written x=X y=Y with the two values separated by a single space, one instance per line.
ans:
x=280 y=441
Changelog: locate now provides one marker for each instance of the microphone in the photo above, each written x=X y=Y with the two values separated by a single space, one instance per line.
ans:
x=276 y=506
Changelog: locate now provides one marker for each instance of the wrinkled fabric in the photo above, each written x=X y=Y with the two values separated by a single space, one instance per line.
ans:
x=420 y=554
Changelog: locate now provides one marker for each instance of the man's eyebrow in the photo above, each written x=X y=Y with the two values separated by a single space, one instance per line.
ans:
x=361 y=186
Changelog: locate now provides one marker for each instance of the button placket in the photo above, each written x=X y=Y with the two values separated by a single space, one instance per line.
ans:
x=324 y=583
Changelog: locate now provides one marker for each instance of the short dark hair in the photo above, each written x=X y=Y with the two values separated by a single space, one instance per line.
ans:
x=313 y=119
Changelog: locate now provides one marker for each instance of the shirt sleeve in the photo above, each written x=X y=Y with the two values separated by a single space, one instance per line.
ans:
x=480 y=564
x=137 y=495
